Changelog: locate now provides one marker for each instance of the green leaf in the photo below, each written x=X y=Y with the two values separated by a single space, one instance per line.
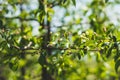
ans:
x=41 y=59
x=98 y=57
x=1 y=23
x=74 y=2
x=106 y=1
x=114 y=38
x=79 y=56
x=117 y=64
x=64 y=1
x=109 y=51
x=85 y=50
x=116 y=57
x=13 y=66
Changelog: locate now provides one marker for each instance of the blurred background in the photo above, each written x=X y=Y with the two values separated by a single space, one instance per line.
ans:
x=86 y=17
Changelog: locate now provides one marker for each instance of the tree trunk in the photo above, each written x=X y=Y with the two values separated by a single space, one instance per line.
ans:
x=46 y=39
x=45 y=74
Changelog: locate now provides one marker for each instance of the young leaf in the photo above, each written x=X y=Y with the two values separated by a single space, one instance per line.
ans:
x=98 y=57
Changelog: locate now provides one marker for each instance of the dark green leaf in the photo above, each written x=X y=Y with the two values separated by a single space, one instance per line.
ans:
x=41 y=59
x=64 y=1
x=13 y=66
x=79 y=56
x=109 y=51
x=1 y=23
x=85 y=50
x=114 y=38
x=117 y=64
x=116 y=57
x=74 y=2
x=106 y=1
x=116 y=45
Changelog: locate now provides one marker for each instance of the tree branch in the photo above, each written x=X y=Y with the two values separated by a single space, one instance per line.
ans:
x=53 y=48
x=20 y=18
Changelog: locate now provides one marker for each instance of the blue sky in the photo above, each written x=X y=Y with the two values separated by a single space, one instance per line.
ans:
x=113 y=11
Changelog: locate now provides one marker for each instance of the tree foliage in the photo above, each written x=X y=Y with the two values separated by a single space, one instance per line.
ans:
x=59 y=40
